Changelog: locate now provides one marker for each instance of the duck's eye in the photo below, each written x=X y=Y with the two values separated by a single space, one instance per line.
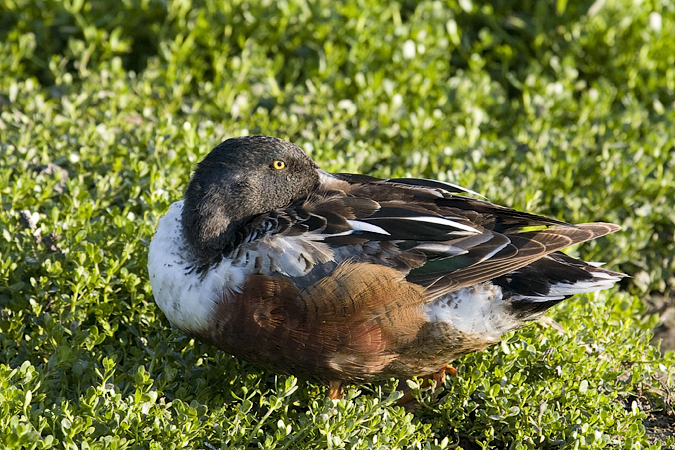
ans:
x=278 y=164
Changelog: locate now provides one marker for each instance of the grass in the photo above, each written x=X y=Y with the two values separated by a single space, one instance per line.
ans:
x=560 y=108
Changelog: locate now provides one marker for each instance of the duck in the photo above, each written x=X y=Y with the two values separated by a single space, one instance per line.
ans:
x=343 y=278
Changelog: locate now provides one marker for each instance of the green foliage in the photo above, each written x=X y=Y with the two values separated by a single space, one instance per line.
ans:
x=561 y=108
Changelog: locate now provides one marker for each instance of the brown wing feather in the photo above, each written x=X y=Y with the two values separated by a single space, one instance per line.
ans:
x=531 y=246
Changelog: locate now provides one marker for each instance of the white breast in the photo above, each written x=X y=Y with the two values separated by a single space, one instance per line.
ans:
x=187 y=298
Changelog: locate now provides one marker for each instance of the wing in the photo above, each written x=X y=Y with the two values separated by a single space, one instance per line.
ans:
x=437 y=239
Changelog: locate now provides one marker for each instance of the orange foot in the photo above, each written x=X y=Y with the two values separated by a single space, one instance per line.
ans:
x=439 y=377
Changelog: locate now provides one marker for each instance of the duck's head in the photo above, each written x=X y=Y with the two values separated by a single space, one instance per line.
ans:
x=240 y=178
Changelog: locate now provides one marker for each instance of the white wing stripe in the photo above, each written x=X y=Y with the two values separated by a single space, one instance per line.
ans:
x=494 y=252
x=443 y=221
x=449 y=250
x=458 y=187
x=365 y=226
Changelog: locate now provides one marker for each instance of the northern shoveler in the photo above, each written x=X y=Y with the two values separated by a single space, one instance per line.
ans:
x=341 y=278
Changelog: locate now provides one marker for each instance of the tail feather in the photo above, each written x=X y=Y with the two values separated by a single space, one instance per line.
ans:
x=537 y=287
x=525 y=250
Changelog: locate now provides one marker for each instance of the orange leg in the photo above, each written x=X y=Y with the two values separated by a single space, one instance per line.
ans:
x=438 y=377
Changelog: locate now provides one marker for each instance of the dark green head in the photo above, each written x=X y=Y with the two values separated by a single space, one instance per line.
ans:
x=240 y=178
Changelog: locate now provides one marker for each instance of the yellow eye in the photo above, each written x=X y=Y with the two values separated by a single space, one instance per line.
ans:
x=278 y=164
